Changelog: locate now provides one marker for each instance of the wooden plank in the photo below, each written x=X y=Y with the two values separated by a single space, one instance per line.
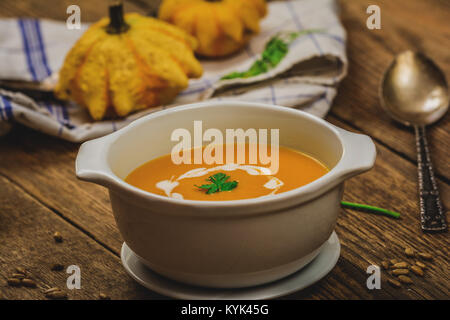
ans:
x=44 y=166
x=91 y=11
x=26 y=229
x=368 y=239
x=416 y=25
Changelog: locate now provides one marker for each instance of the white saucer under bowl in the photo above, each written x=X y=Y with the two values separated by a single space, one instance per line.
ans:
x=313 y=272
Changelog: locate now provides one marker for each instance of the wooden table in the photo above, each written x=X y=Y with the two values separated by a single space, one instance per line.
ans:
x=39 y=193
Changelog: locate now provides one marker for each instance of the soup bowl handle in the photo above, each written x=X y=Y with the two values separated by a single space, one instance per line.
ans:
x=91 y=163
x=359 y=154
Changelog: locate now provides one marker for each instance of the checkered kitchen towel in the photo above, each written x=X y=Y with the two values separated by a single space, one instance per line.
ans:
x=306 y=78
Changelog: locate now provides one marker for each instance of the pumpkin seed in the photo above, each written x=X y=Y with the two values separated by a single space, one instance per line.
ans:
x=400 y=265
x=58 y=237
x=29 y=283
x=14 y=282
x=21 y=270
x=103 y=296
x=394 y=283
x=417 y=270
x=405 y=279
x=385 y=264
x=409 y=252
x=57 y=295
x=51 y=290
x=421 y=265
x=398 y=272
x=425 y=256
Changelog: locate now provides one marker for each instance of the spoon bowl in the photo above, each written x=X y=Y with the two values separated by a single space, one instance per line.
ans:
x=414 y=90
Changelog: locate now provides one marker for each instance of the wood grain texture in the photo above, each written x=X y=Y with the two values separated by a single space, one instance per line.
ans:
x=26 y=229
x=39 y=192
x=91 y=11
x=406 y=25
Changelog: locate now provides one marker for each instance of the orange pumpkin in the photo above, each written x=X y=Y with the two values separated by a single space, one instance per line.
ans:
x=221 y=27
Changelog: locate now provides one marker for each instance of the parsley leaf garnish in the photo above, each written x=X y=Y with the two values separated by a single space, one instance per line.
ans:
x=274 y=51
x=218 y=183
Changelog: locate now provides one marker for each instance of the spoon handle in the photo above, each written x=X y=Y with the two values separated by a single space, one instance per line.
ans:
x=431 y=212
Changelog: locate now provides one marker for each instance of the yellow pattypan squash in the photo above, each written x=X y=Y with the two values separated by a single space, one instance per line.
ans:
x=221 y=27
x=127 y=63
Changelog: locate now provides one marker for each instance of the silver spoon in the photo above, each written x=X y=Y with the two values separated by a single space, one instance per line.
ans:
x=414 y=92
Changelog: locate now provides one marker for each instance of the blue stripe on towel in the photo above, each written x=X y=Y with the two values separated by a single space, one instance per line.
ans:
x=272 y=93
x=1 y=111
x=36 y=54
x=38 y=62
x=27 y=49
x=49 y=107
x=41 y=53
x=8 y=108
x=299 y=25
x=37 y=27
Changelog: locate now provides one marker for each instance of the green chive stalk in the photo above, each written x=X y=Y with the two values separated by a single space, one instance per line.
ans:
x=371 y=209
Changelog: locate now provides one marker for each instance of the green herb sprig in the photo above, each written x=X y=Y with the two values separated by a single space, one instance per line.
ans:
x=370 y=209
x=274 y=51
x=218 y=183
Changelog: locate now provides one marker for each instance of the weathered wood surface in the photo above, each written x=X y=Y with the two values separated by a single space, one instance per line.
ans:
x=39 y=193
x=26 y=237
x=406 y=25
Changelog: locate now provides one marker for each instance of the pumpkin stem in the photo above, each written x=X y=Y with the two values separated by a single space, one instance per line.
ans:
x=117 y=22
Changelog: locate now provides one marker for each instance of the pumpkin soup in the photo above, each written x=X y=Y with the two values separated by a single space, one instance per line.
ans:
x=229 y=181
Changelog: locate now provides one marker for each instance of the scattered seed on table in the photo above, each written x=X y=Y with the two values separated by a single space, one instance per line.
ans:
x=57 y=267
x=421 y=265
x=398 y=272
x=29 y=283
x=394 y=283
x=405 y=279
x=385 y=264
x=51 y=290
x=400 y=265
x=425 y=256
x=409 y=252
x=21 y=270
x=57 y=295
x=18 y=275
x=58 y=237
x=14 y=282
x=103 y=296
x=417 y=270
x=393 y=261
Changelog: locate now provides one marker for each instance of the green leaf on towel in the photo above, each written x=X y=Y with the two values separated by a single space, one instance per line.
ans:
x=274 y=52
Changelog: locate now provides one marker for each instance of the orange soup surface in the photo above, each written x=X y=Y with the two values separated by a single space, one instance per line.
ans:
x=218 y=182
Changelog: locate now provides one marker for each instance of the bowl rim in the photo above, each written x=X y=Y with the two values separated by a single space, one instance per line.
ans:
x=298 y=195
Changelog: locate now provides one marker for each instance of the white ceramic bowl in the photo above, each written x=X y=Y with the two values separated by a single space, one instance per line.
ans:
x=226 y=243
